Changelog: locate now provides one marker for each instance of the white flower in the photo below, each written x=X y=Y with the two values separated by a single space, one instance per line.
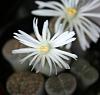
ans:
x=45 y=48
x=74 y=15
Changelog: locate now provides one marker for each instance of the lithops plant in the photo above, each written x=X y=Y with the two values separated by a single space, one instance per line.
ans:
x=87 y=74
x=63 y=84
x=14 y=59
x=25 y=83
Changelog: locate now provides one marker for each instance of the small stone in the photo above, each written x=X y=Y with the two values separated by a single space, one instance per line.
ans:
x=64 y=84
x=14 y=59
x=25 y=83
x=87 y=74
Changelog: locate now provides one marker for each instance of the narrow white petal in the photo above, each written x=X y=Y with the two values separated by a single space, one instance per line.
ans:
x=47 y=4
x=70 y=40
x=60 y=29
x=23 y=37
x=61 y=43
x=28 y=36
x=92 y=24
x=23 y=50
x=90 y=4
x=35 y=27
x=20 y=36
x=43 y=61
x=47 y=12
x=50 y=64
x=91 y=28
x=45 y=30
x=91 y=8
x=36 y=62
x=65 y=65
x=97 y=15
x=66 y=34
x=27 y=43
x=52 y=56
x=92 y=37
x=82 y=39
x=28 y=56
x=61 y=55
x=56 y=63
x=59 y=37
x=85 y=41
x=76 y=2
x=59 y=5
x=55 y=67
x=94 y=2
x=33 y=59
x=66 y=53
x=57 y=24
x=64 y=37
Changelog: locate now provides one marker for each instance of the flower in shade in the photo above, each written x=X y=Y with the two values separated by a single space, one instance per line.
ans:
x=75 y=16
x=45 y=49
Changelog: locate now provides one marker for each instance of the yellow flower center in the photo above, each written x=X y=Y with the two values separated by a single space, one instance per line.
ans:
x=71 y=11
x=43 y=48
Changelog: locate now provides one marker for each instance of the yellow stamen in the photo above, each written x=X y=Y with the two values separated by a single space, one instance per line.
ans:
x=71 y=11
x=43 y=48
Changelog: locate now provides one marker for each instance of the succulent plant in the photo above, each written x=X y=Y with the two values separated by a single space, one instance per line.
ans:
x=63 y=84
x=25 y=83
x=86 y=73
x=14 y=59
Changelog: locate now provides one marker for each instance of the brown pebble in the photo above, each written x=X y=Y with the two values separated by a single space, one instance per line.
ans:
x=25 y=83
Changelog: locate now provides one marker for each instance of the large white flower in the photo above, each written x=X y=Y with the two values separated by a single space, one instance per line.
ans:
x=45 y=49
x=74 y=15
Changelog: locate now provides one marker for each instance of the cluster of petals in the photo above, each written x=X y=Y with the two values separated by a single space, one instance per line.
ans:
x=45 y=49
x=75 y=16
